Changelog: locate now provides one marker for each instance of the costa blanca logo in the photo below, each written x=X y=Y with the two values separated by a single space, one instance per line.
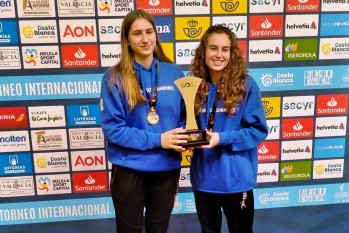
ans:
x=38 y=31
x=334 y=48
x=281 y=79
x=275 y=197
x=51 y=162
x=326 y=48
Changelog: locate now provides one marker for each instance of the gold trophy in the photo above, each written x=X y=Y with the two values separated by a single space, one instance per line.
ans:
x=188 y=87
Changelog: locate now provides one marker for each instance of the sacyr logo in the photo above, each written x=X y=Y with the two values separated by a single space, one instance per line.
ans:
x=191 y=31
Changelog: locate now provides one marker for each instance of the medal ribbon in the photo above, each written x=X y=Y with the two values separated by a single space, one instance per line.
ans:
x=212 y=115
x=155 y=88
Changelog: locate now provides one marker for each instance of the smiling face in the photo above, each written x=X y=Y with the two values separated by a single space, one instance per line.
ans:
x=217 y=55
x=142 y=40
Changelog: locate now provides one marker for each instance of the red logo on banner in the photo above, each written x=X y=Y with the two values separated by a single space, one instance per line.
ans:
x=269 y=151
x=297 y=128
x=90 y=182
x=77 y=56
x=155 y=7
x=13 y=118
x=302 y=5
x=332 y=105
x=266 y=26
x=243 y=46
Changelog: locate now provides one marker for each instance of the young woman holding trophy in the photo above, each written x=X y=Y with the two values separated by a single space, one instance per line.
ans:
x=228 y=104
x=143 y=119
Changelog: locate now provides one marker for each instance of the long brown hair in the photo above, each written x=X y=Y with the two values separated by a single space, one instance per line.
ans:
x=232 y=84
x=123 y=75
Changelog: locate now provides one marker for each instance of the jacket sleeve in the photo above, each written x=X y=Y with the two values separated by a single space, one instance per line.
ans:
x=114 y=125
x=254 y=127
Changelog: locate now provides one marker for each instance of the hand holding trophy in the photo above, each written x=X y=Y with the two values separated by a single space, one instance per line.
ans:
x=188 y=87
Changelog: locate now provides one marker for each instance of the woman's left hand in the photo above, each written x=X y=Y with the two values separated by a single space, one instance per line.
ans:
x=214 y=139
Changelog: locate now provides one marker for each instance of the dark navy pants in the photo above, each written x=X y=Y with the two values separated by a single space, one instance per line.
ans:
x=143 y=199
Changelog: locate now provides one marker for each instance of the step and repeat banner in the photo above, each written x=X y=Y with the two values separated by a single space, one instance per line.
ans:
x=53 y=53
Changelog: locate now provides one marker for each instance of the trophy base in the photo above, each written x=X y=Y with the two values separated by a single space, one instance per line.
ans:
x=196 y=137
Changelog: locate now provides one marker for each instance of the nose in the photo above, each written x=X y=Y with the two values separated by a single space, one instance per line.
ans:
x=219 y=53
x=144 y=37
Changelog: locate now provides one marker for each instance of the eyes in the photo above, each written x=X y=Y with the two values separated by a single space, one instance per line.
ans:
x=215 y=49
x=140 y=32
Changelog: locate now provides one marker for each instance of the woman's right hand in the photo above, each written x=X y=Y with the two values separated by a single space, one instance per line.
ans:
x=173 y=139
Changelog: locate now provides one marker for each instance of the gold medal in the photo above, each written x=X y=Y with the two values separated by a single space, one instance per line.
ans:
x=153 y=118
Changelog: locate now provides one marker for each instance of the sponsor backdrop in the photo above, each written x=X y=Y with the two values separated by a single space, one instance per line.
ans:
x=53 y=167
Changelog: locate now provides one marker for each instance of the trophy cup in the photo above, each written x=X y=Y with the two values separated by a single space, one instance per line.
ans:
x=188 y=87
